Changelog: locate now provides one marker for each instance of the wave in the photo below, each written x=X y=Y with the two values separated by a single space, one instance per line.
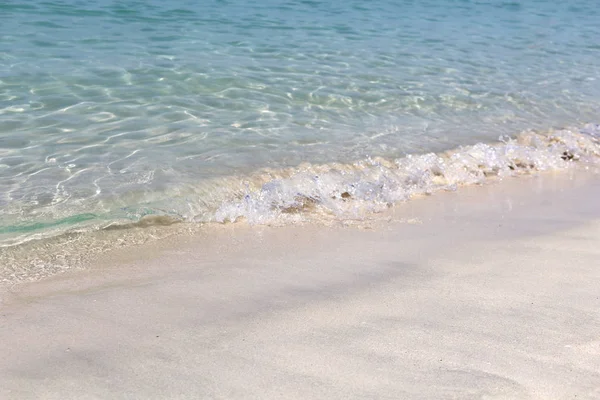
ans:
x=308 y=193
x=346 y=191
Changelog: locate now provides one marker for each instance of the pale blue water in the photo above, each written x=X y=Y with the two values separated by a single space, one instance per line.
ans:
x=118 y=109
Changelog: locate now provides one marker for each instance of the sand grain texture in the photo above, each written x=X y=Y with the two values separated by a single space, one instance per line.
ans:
x=494 y=295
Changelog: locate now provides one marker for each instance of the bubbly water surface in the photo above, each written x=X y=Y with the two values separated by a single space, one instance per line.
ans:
x=111 y=111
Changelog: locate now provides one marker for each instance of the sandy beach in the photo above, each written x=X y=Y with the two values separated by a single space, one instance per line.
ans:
x=486 y=293
x=304 y=200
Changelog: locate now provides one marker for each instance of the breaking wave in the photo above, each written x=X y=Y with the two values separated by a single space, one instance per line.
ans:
x=308 y=193
x=348 y=191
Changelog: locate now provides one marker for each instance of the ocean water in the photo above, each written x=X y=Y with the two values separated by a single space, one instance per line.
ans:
x=116 y=112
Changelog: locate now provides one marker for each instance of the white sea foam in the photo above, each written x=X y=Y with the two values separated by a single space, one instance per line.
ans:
x=348 y=191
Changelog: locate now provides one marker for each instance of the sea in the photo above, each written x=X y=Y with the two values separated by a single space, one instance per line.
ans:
x=120 y=118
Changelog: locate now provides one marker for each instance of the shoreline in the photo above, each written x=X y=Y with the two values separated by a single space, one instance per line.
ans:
x=329 y=194
x=488 y=291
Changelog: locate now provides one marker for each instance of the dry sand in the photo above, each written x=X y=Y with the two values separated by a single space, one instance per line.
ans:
x=494 y=294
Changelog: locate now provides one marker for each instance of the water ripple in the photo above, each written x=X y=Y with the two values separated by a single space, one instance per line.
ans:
x=108 y=106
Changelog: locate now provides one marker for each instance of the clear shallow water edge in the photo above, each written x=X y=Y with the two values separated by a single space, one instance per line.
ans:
x=348 y=194
x=116 y=114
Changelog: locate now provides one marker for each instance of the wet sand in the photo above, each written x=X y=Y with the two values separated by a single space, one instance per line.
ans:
x=490 y=292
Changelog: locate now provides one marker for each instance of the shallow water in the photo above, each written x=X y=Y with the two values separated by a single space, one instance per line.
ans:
x=110 y=112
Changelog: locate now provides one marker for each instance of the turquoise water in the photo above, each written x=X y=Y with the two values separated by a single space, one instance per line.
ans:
x=116 y=110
